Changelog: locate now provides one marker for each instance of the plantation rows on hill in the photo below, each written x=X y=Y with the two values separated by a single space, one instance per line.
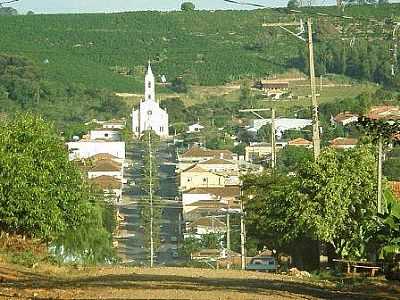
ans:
x=110 y=50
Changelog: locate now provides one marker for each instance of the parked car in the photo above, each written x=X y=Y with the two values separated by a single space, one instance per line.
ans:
x=263 y=264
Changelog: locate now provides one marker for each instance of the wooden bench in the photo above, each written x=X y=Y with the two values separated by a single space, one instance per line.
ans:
x=372 y=269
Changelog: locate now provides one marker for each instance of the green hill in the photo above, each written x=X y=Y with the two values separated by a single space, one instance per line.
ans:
x=110 y=50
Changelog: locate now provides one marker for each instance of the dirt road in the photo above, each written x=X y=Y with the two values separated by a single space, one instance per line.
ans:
x=173 y=283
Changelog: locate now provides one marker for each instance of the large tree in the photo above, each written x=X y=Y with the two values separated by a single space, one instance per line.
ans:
x=44 y=195
x=332 y=200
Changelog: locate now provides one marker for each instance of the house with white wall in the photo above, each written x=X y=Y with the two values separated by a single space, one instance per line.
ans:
x=105 y=134
x=106 y=168
x=86 y=148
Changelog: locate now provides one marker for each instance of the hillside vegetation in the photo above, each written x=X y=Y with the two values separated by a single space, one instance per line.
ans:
x=207 y=48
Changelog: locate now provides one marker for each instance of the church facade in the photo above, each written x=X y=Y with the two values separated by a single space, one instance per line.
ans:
x=149 y=115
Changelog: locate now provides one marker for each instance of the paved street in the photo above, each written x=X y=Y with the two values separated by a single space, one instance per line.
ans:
x=131 y=239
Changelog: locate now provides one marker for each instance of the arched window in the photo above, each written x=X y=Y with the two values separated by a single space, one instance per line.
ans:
x=149 y=84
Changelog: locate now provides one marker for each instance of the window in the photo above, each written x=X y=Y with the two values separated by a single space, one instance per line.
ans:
x=161 y=129
x=189 y=179
x=149 y=84
x=205 y=179
x=106 y=135
x=149 y=112
x=149 y=96
x=137 y=129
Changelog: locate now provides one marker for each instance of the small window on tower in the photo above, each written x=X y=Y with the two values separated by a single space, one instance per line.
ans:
x=149 y=85
x=149 y=112
x=149 y=97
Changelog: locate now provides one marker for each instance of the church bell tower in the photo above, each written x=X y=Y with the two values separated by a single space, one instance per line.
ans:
x=149 y=91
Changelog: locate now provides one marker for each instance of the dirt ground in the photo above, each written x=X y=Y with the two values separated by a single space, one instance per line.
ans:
x=47 y=282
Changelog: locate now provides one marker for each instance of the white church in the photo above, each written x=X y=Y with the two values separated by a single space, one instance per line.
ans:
x=150 y=115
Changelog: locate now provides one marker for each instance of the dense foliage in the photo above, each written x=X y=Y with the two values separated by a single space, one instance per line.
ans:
x=332 y=200
x=24 y=88
x=44 y=196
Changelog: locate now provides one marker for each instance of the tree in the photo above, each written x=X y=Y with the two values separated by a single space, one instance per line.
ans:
x=43 y=195
x=331 y=200
x=293 y=158
x=292 y=4
x=187 y=6
x=246 y=96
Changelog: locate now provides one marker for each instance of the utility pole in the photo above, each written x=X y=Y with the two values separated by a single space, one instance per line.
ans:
x=273 y=141
x=151 y=202
x=228 y=236
x=380 y=157
x=316 y=138
x=242 y=233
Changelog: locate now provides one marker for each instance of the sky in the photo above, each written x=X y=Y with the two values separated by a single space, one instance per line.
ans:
x=91 y=6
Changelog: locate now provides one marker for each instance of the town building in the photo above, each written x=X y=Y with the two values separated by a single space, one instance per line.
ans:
x=281 y=125
x=342 y=143
x=345 y=118
x=86 y=148
x=195 y=128
x=197 y=176
x=300 y=142
x=111 y=187
x=197 y=154
x=105 y=134
x=206 y=225
x=256 y=151
x=274 y=89
x=149 y=115
x=106 y=168
x=384 y=112
x=228 y=195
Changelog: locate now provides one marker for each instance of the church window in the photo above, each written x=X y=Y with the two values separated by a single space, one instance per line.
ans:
x=149 y=112
x=137 y=129
x=161 y=129
x=149 y=85
x=149 y=97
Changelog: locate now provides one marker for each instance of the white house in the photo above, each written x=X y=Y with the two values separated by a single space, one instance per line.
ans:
x=105 y=134
x=207 y=225
x=150 y=115
x=281 y=124
x=195 y=128
x=345 y=118
x=115 y=124
x=85 y=149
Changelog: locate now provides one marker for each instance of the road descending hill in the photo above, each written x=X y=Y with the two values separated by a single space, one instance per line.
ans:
x=177 y=283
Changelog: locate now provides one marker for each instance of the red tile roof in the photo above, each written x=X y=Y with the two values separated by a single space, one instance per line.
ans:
x=106 y=166
x=201 y=152
x=384 y=112
x=299 y=142
x=106 y=182
x=216 y=161
x=195 y=169
x=229 y=191
x=344 y=116
x=341 y=141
